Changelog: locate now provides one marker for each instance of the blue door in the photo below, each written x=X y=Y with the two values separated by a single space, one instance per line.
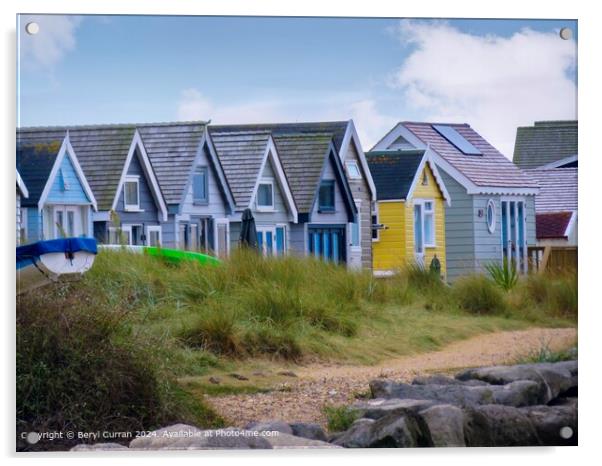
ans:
x=327 y=242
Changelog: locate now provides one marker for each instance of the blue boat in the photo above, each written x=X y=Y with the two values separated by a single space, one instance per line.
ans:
x=48 y=261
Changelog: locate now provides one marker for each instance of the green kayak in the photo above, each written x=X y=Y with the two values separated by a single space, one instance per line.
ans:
x=176 y=255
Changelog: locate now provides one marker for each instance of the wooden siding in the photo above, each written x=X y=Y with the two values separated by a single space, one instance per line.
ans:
x=339 y=216
x=395 y=249
x=488 y=245
x=297 y=239
x=75 y=193
x=34 y=225
x=281 y=213
x=361 y=192
x=459 y=229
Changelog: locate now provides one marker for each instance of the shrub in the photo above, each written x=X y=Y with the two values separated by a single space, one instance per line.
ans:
x=478 y=295
x=215 y=330
x=339 y=418
x=545 y=354
x=504 y=275
x=554 y=294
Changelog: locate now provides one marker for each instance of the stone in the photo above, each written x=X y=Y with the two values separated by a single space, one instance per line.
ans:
x=270 y=426
x=381 y=407
x=309 y=431
x=520 y=393
x=396 y=431
x=550 y=420
x=285 y=441
x=445 y=425
x=439 y=379
x=238 y=376
x=357 y=436
x=498 y=426
x=554 y=379
x=287 y=373
x=214 y=380
x=99 y=447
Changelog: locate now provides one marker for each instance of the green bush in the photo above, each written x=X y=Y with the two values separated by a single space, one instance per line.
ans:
x=339 y=418
x=478 y=295
x=555 y=294
x=504 y=275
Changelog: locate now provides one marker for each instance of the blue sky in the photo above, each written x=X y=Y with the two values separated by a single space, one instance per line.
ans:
x=493 y=74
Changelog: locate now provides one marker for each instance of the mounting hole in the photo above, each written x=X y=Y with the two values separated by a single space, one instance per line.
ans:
x=32 y=28
x=566 y=432
x=566 y=33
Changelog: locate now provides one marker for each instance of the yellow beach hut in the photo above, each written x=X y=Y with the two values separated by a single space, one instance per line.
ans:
x=410 y=211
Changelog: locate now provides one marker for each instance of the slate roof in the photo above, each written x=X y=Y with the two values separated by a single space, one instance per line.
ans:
x=336 y=129
x=303 y=156
x=172 y=149
x=393 y=172
x=240 y=154
x=36 y=154
x=489 y=169
x=552 y=225
x=558 y=189
x=545 y=142
x=101 y=151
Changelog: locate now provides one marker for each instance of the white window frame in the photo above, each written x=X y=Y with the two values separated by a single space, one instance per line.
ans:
x=131 y=207
x=265 y=208
x=353 y=163
x=423 y=202
x=125 y=229
x=491 y=228
x=264 y=229
x=221 y=221
x=152 y=228
x=197 y=172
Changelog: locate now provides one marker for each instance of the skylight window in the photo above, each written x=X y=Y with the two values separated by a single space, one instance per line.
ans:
x=457 y=140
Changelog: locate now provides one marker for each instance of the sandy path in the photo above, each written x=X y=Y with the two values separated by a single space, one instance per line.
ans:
x=318 y=385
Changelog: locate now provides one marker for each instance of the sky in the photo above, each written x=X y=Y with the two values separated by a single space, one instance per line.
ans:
x=495 y=75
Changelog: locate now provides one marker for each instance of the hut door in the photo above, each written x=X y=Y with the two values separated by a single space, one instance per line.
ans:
x=419 y=234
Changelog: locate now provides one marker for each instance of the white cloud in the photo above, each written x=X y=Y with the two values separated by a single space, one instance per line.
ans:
x=55 y=38
x=493 y=83
x=371 y=125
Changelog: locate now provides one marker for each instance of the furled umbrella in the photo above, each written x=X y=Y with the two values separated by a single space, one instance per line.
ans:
x=248 y=232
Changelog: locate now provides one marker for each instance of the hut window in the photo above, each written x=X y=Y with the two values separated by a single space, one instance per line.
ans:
x=265 y=195
x=353 y=171
x=491 y=216
x=199 y=186
x=131 y=196
x=326 y=196
x=429 y=224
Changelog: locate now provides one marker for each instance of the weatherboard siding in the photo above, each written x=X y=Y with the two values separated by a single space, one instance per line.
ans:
x=361 y=192
x=390 y=250
x=488 y=245
x=281 y=213
x=69 y=189
x=340 y=215
x=34 y=225
x=459 y=229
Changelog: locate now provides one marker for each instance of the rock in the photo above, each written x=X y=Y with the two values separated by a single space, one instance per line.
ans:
x=445 y=425
x=521 y=393
x=99 y=447
x=270 y=426
x=214 y=380
x=550 y=420
x=287 y=373
x=184 y=437
x=498 y=426
x=381 y=407
x=396 y=431
x=259 y=374
x=283 y=441
x=554 y=379
x=309 y=431
x=238 y=376
x=357 y=436
x=444 y=380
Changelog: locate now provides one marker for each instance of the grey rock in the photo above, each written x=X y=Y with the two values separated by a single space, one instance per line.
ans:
x=381 y=407
x=99 y=447
x=498 y=426
x=550 y=420
x=214 y=380
x=554 y=379
x=359 y=435
x=309 y=431
x=439 y=379
x=238 y=376
x=521 y=393
x=445 y=425
x=396 y=431
x=270 y=426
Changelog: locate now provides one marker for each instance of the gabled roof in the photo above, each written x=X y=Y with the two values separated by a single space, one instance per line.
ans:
x=396 y=173
x=39 y=156
x=21 y=185
x=241 y=155
x=488 y=172
x=545 y=142
x=172 y=149
x=101 y=151
x=553 y=225
x=558 y=189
